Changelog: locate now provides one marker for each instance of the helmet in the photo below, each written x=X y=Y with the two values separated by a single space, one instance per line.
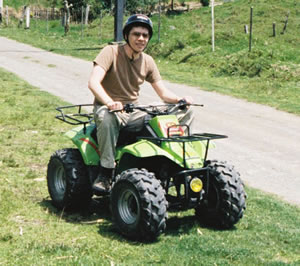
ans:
x=135 y=21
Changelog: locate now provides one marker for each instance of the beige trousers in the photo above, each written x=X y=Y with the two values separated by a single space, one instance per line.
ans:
x=109 y=125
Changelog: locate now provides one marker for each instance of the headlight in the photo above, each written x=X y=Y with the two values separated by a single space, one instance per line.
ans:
x=196 y=185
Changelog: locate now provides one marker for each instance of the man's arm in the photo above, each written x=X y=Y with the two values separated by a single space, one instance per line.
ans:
x=97 y=89
x=168 y=96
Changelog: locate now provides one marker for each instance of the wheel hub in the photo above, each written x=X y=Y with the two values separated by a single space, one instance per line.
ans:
x=60 y=180
x=128 y=207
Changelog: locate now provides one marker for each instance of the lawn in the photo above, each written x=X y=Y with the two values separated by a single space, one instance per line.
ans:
x=33 y=232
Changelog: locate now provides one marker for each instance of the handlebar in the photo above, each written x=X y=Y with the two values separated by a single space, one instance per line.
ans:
x=77 y=115
x=158 y=109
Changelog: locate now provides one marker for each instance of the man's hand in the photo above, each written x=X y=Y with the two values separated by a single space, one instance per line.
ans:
x=188 y=99
x=114 y=105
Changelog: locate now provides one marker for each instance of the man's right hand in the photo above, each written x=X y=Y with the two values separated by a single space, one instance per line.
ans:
x=114 y=105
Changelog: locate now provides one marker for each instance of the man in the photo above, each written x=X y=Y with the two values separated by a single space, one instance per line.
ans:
x=118 y=72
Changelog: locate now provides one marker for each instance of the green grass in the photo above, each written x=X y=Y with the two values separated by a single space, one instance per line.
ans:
x=268 y=75
x=32 y=232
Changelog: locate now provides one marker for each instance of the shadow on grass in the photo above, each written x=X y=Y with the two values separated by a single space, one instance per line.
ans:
x=178 y=225
x=95 y=212
x=98 y=213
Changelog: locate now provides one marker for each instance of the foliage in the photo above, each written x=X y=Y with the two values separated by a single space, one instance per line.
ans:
x=204 y=2
x=136 y=6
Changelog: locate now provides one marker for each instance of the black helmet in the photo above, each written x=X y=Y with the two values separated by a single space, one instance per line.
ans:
x=135 y=21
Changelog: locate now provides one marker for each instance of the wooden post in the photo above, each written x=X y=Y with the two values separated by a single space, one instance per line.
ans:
x=1 y=9
x=21 y=20
x=27 y=17
x=82 y=21
x=286 y=22
x=159 y=19
x=212 y=25
x=6 y=11
x=63 y=17
x=87 y=11
x=100 y=27
x=52 y=16
x=47 y=19
x=251 y=21
x=67 y=16
x=246 y=29
x=274 y=29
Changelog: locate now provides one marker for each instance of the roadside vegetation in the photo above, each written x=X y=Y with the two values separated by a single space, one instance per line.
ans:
x=32 y=232
x=269 y=74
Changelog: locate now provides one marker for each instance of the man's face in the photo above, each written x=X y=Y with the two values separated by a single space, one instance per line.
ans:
x=138 y=38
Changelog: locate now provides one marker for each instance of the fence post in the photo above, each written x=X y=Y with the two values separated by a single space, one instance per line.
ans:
x=82 y=21
x=1 y=9
x=274 y=29
x=47 y=18
x=251 y=21
x=27 y=16
x=286 y=22
x=67 y=16
x=212 y=25
x=100 y=27
x=87 y=11
x=6 y=10
x=159 y=20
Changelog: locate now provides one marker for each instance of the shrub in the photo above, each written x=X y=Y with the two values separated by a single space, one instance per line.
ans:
x=204 y=2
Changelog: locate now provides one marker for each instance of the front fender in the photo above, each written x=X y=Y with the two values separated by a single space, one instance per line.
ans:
x=144 y=149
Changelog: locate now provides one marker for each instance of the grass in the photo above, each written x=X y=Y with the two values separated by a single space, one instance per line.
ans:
x=32 y=232
x=268 y=75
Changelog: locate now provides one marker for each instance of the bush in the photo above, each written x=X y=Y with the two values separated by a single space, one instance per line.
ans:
x=204 y=2
x=246 y=64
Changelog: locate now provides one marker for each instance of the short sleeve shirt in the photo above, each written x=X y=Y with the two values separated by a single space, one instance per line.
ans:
x=123 y=75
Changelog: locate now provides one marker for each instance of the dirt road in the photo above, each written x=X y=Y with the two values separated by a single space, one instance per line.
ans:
x=263 y=144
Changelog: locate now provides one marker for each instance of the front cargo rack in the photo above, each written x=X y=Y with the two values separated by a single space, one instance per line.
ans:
x=79 y=116
x=189 y=138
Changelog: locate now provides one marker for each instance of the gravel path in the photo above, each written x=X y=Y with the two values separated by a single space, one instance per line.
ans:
x=263 y=143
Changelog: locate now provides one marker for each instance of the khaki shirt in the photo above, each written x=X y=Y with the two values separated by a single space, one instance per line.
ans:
x=123 y=75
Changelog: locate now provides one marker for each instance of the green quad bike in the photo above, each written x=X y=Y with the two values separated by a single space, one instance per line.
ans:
x=163 y=167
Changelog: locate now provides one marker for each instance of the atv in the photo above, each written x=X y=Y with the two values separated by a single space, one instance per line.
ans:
x=162 y=167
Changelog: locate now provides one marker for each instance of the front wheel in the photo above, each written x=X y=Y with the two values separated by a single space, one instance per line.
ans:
x=138 y=205
x=67 y=179
x=225 y=201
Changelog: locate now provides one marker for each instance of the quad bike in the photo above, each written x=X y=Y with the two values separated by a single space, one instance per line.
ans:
x=163 y=167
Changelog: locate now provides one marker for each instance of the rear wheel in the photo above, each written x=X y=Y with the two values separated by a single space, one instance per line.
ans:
x=226 y=201
x=138 y=205
x=67 y=179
